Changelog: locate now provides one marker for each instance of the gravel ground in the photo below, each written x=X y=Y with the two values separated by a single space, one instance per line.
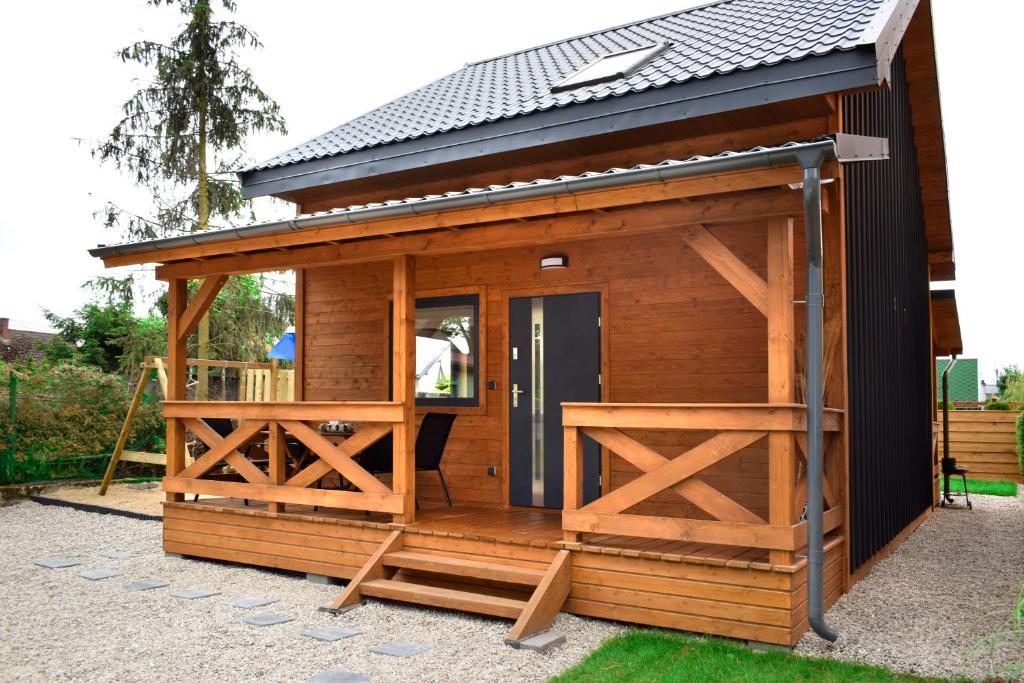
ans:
x=922 y=608
x=55 y=625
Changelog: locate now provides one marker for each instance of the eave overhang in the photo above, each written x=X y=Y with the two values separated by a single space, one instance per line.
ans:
x=946 y=323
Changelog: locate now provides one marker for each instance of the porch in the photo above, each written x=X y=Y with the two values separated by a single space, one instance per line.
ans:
x=723 y=570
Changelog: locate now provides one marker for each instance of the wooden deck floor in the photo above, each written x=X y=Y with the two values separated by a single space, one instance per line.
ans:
x=529 y=526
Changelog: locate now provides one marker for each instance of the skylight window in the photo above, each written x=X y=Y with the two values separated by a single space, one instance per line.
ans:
x=608 y=68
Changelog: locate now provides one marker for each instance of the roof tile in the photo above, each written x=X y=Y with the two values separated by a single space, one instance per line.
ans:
x=704 y=41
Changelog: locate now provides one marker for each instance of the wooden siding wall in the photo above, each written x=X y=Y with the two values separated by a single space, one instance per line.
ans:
x=677 y=332
x=984 y=442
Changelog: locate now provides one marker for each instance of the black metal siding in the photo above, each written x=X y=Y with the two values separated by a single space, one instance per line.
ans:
x=888 y=320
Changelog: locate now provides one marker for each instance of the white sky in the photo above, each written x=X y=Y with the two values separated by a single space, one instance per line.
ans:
x=326 y=62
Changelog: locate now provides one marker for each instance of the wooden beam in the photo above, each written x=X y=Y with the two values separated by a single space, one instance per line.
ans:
x=532 y=208
x=546 y=601
x=687 y=530
x=763 y=417
x=220 y=447
x=403 y=382
x=372 y=569
x=350 y=500
x=277 y=469
x=177 y=293
x=781 y=376
x=311 y=411
x=636 y=220
x=737 y=273
x=572 y=455
x=126 y=429
x=697 y=491
x=200 y=304
x=682 y=466
x=300 y=335
x=340 y=457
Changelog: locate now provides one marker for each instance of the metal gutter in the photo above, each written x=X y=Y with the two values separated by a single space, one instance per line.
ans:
x=945 y=422
x=832 y=72
x=840 y=146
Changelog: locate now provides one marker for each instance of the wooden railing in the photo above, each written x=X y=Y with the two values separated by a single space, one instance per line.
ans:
x=738 y=426
x=270 y=422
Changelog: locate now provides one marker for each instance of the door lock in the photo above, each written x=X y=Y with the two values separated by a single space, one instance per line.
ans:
x=515 y=395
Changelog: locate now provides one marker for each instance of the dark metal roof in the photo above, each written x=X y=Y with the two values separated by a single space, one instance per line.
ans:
x=718 y=39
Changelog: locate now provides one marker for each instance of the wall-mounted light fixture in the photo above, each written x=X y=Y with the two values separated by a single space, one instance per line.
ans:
x=554 y=262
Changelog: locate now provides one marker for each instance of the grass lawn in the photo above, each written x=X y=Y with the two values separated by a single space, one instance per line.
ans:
x=662 y=657
x=980 y=486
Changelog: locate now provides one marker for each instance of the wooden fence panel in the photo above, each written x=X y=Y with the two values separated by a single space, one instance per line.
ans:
x=983 y=442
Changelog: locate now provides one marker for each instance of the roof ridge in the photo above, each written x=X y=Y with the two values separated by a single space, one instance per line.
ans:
x=687 y=10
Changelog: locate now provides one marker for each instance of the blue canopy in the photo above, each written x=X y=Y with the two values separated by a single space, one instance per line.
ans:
x=284 y=349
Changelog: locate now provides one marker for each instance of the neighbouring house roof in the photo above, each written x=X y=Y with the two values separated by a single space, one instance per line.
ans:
x=20 y=345
x=963 y=378
x=723 y=55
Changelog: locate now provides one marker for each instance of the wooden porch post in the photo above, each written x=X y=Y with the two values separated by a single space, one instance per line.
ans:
x=276 y=445
x=781 y=377
x=403 y=369
x=177 y=298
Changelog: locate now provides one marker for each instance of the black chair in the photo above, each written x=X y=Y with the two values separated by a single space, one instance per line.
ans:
x=430 y=443
x=949 y=469
x=431 y=440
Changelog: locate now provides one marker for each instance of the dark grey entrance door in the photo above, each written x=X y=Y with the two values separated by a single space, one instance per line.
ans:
x=554 y=357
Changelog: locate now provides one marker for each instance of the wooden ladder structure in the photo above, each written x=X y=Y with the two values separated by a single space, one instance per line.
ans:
x=532 y=597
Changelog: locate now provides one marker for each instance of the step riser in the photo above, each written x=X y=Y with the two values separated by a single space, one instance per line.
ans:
x=441 y=565
x=445 y=598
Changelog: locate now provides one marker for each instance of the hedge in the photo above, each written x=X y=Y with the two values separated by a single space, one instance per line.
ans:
x=1020 y=443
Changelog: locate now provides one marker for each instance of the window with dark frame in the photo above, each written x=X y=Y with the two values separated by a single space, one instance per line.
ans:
x=447 y=351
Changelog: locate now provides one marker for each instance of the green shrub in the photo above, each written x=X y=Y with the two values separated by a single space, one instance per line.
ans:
x=997 y=405
x=1020 y=443
x=68 y=410
x=952 y=406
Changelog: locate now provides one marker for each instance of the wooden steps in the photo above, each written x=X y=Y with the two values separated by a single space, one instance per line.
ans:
x=434 y=596
x=392 y=573
x=440 y=564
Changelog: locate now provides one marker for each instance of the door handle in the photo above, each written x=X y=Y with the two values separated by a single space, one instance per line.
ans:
x=515 y=395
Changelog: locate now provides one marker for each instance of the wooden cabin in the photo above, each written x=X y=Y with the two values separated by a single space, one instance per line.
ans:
x=594 y=254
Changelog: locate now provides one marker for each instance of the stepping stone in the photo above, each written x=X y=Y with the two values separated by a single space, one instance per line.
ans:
x=339 y=677
x=401 y=648
x=331 y=633
x=195 y=594
x=97 y=574
x=541 y=642
x=148 y=584
x=323 y=580
x=266 y=619
x=249 y=603
x=57 y=563
x=118 y=554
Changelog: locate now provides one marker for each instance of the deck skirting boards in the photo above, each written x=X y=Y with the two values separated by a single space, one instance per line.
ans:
x=745 y=602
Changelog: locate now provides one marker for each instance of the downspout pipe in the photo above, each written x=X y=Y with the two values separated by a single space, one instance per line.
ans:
x=811 y=163
x=945 y=419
